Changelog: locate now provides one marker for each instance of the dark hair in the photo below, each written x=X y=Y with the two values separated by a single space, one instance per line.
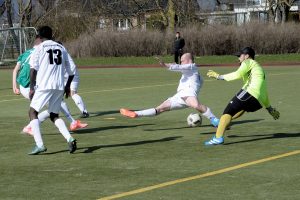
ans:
x=246 y=50
x=45 y=32
x=178 y=32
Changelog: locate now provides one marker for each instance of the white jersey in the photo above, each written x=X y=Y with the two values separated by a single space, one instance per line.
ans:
x=190 y=79
x=50 y=60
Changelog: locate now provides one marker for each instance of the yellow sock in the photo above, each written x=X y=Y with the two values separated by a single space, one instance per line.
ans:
x=224 y=122
x=237 y=115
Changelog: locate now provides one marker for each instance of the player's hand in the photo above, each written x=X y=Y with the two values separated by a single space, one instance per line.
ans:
x=212 y=74
x=273 y=112
x=31 y=93
x=67 y=92
x=159 y=60
x=16 y=91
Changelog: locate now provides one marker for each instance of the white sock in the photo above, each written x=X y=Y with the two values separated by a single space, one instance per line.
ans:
x=208 y=114
x=43 y=115
x=146 y=113
x=65 y=110
x=78 y=101
x=35 y=127
x=60 y=124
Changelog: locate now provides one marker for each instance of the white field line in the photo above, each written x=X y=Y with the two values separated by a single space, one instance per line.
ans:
x=8 y=100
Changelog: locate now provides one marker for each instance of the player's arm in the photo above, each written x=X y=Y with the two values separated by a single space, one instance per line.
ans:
x=14 y=79
x=161 y=62
x=34 y=67
x=33 y=74
x=68 y=85
x=238 y=74
x=70 y=68
x=228 y=77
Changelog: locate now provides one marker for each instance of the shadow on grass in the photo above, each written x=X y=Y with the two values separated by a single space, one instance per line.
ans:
x=5 y=88
x=93 y=148
x=205 y=126
x=176 y=128
x=97 y=147
x=232 y=124
x=93 y=130
x=262 y=137
x=102 y=113
x=245 y=121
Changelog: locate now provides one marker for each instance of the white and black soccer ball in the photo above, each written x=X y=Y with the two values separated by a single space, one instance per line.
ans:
x=194 y=120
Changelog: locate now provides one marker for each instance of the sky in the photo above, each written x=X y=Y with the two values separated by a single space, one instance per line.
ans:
x=207 y=4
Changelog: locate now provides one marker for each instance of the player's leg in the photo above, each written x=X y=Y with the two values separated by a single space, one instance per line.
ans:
x=193 y=102
x=77 y=99
x=25 y=93
x=65 y=110
x=54 y=107
x=38 y=101
x=74 y=124
x=239 y=114
x=147 y=112
x=171 y=103
x=232 y=108
x=43 y=115
x=240 y=103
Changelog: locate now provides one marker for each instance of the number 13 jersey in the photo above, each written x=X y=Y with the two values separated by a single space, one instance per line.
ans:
x=50 y=60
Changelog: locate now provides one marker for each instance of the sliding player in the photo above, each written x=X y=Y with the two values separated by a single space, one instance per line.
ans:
x=186 y=96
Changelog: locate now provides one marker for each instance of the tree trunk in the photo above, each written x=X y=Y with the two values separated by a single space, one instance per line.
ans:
x=277 y=17
x=25 y=12
x=171 y=15
x=10 y=23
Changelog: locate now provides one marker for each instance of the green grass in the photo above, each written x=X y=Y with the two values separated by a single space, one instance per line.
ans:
x=121 y=154
x=204 y=60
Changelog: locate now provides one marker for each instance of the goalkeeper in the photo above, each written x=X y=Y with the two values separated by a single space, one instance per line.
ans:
x=252 y=97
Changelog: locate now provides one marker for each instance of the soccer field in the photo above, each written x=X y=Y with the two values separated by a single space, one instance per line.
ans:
x=159 y=157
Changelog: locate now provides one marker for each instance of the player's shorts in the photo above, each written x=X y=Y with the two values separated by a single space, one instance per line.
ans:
x=52 y=97
x=242 y=101
x=25 y=91
x=177 y=102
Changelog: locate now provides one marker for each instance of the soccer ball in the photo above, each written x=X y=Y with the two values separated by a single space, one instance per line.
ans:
x=194 y=120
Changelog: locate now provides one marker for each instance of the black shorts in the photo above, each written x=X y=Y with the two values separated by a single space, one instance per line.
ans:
x=242 y=101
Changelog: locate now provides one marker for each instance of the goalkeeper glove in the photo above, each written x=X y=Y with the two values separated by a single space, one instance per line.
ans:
x=273 y=112
x=212 y=74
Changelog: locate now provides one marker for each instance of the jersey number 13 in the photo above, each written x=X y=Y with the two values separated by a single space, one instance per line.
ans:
x=55 y=56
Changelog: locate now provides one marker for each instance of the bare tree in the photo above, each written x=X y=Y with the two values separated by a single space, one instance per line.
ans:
x=25 y=12
x=8 y=5
x=279 y=10
x=2 y=8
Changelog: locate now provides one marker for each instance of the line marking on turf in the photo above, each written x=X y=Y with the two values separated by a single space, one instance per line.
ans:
x=200 y=176
x=11 y=100
x=161 y=85
x=130 y=88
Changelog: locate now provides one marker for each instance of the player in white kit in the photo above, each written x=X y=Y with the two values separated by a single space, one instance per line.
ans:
x=186 y=96
x=21 y=77
x=74 y=88
x=48 y=64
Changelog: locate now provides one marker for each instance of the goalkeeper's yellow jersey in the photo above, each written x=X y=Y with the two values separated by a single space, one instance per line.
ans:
x=254 y=80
